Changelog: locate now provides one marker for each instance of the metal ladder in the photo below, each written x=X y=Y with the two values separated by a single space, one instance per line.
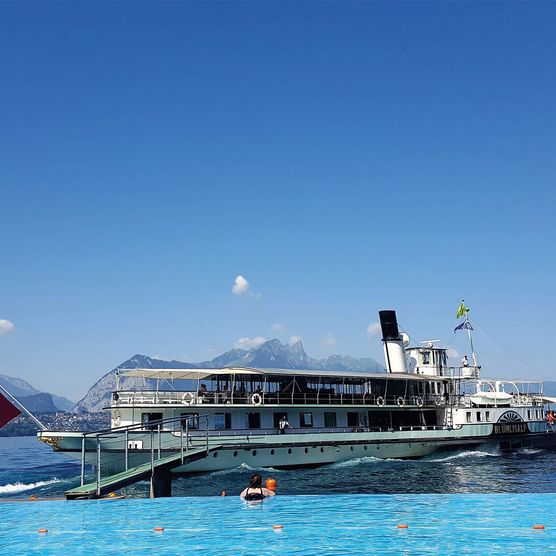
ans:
x=449 y=418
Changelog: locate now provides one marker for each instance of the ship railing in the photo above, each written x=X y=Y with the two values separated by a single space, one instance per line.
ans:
x=127 y=398
x=130 y=442
x=469 y=371
x=250 y=434
x=519 y=400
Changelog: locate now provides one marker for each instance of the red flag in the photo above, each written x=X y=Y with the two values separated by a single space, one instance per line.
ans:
x=8 y=411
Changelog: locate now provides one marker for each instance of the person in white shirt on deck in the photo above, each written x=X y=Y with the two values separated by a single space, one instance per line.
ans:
x=283 y=425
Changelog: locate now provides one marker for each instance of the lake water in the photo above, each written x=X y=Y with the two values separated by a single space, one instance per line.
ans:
x=28 y=466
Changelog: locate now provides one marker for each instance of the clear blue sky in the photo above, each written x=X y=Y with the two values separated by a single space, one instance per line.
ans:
x=342 y=157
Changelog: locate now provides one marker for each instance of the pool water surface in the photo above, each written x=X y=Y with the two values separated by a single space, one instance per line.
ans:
x=338 y=524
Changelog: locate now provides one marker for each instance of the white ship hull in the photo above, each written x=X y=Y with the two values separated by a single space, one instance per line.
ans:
x=293 y=450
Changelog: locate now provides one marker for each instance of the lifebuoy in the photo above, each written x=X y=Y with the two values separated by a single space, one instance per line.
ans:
x=380 y=401
x=256 y=399
x=116 y=419
x=419 y=401
x=187 y=398
x=400 y=401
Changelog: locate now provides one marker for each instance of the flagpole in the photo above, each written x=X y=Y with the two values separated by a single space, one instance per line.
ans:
x=19 y=405
x=471 y=341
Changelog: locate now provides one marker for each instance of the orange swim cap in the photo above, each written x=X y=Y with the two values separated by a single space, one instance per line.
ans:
x=270 y=484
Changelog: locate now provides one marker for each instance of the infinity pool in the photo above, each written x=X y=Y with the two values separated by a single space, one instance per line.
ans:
x=345 y=524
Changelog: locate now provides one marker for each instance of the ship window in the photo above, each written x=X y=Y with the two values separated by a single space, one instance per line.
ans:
x=425 y=358
x=289 y=450
x=235 y=454
x=222 y=421
x=468 y=416
x=487 y=416
x=529 y=414
x=306 y=420
x=478 y=416
x=147 y=418
x=253 y=420
x=306 y=450
x=189 y=419
x=352 y=419
x=329 y=419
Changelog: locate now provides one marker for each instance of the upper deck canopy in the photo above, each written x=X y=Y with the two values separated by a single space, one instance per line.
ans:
x=200 y=374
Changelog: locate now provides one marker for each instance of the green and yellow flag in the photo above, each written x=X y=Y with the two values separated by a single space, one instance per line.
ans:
x=462 y=310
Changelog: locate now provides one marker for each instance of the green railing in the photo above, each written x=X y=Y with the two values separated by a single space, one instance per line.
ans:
x=121 y=448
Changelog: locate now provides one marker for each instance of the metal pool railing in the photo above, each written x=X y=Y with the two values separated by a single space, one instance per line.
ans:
x=120 y=448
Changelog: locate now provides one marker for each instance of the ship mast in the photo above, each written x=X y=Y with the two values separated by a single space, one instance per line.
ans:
x=470 y=336
x=466 y=325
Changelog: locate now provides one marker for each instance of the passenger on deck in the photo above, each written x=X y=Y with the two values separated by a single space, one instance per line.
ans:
x=283 y=425
x=465 y=361
x=550 y=419
x=224 y=394
x=255 y=491
x=203 y=392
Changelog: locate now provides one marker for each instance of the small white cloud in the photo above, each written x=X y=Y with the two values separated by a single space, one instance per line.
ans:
x=373 y=329
x=295 y=339
x=330 y=340
x=249 y=343
x=241 y=285
x=277 y=327
x=453 y=352
x=6 y=326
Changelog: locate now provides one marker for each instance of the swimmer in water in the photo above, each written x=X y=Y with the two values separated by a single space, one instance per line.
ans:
x=255 y=492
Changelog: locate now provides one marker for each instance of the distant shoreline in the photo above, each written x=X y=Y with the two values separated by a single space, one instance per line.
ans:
x=61 y=420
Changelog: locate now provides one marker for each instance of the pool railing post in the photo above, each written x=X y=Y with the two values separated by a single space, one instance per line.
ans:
x=187 y=434
x=207 y=432
x=98 y=465
x=126 y=449
x=159 y=440
x=152 y=451
x=181 y=445
x=83 y=459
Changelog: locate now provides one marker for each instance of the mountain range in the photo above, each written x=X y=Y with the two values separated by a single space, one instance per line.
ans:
x=34 y=400
x=272 y=354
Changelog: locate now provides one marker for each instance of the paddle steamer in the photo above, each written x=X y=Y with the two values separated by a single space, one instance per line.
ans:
x=418 y=406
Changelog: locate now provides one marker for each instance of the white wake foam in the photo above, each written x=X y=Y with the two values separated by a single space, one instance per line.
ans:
x=357 y=461
x=20 y=487
x=529 y=451
x=466 y=454
x=246 y=467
